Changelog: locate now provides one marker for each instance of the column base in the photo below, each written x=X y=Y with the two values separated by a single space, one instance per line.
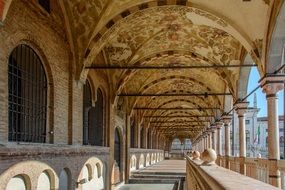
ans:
x=227 y=162
x=242 y=166
x=274 y=174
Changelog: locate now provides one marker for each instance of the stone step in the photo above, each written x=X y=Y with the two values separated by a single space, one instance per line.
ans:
x=157 y=176
x=157 y=173
x=152 y=181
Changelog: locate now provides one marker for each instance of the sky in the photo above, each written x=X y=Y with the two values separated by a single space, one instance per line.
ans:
x=261 y=99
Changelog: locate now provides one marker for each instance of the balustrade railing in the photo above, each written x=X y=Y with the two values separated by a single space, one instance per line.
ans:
x=204 y=174
x=257 y=168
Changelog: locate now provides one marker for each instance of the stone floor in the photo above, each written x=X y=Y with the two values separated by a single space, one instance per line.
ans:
x=167 y=166
x=165 y=175
x=147 y=187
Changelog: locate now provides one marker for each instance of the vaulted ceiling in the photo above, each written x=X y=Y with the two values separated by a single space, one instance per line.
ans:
x=138 y=45
x=132 y=34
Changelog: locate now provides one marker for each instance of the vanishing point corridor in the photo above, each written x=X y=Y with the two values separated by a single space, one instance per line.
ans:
x=142 y=94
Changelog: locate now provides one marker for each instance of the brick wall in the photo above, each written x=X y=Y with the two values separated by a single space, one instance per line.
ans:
x=36 y=30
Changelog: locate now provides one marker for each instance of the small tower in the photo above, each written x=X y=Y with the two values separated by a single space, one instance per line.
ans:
x=255 y=101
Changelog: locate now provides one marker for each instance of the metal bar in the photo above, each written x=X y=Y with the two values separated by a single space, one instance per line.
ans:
x=146 y=108
x=180 y=116
x=183 y=121
x=166 y=95
x=132 y=67
x=180 y=126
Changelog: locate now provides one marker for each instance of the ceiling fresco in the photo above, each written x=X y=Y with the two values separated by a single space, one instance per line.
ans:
x=167 y=34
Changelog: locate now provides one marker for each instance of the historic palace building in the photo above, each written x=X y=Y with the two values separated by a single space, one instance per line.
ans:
x=141 y=94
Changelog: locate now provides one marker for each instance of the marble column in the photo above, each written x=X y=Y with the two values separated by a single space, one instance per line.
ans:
x=209 y=139
x=214 y=137
x=271 y=85
x=227 y=121
x=205 y=142
x=219 y=138
x=241 y=108
x=127 y=149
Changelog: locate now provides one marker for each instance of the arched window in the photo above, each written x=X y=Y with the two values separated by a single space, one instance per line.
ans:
x=27 y=87
x=87 y=104
x=99 y=119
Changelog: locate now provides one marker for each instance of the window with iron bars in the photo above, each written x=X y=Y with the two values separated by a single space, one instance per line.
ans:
x=27 y=87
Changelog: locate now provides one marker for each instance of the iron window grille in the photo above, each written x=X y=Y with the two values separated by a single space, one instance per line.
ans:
x=27 y=88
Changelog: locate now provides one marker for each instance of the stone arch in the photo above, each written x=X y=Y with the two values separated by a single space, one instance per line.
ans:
x=20 y=181
x=142 y=161
x=4 y=9
x=46 y=180
x=147 y=160
x=133 y=163
x=244 y=77
x=275 y=52
x=88 y=177
x=30 y=170
x=228 y=102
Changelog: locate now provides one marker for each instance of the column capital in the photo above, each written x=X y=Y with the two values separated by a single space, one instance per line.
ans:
x=241 y=107
x=227 y=119
x=219 y=124
x=272 y=83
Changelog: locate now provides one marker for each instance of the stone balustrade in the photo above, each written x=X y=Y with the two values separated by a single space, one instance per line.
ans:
x=202 y=175
x=140 y=158
x=84 y=165
x=257 y=168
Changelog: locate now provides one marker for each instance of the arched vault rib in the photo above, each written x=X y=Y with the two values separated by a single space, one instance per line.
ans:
x=218 y=21
x=161 y=57
x=177 y=103
x=189 y=85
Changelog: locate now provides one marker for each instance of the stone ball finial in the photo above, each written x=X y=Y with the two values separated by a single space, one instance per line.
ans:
x=258 y=155
x=209 y=156
x=196 y=155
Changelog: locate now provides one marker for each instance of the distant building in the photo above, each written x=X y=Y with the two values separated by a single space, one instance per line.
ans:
x=256 y=133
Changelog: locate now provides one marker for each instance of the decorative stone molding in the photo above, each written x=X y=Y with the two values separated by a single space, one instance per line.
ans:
x=241 y=108
x=227 y=119
x=271 y=84
x=219 y=124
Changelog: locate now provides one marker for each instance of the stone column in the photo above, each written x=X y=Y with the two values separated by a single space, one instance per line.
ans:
x=112 y=125
x=127 y=147
x=219 y=142
x=139 y=136
x=205 y=142
x=214 y=138
x=271 y=85
x=227 y=120
x=241 y=109
x=145 y=137
x=219 y=138
x=209 y=139
x=136 y=137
